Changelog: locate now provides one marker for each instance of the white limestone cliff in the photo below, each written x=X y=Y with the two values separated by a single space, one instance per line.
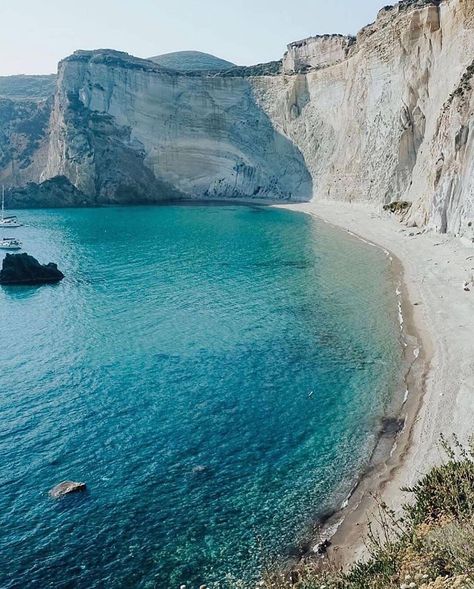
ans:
x=316 y=52
x=118 y=120
x=379 y=125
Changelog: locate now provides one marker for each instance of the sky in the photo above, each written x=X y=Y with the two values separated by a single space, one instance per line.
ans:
x=36 y=34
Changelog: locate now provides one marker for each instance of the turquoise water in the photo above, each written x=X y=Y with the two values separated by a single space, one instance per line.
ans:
x=172 y=371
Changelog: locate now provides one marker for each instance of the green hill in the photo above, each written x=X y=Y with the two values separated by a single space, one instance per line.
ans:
x=190 y=61
x=27 y=87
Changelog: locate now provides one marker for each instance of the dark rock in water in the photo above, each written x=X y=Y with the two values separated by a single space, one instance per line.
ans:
x=24 y=269
x=66 y=488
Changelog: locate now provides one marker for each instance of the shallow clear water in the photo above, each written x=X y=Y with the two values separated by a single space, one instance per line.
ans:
x=171 y=370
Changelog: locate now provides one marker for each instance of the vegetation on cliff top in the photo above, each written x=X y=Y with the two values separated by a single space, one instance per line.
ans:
x=429 y=546
x=114 y=58
x=23 y=125
x=407 y=4
x=27 y=87
x=190 y=61
x=272 y=68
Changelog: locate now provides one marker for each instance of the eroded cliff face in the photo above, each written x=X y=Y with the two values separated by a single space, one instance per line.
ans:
x=385 y=116
x=378 y=124
x=125 y=128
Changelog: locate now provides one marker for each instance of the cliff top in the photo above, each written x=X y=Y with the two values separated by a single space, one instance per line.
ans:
x=407 y=4
x=195 y=63
x=401 y=6
x=111 y=57
x=328 y=36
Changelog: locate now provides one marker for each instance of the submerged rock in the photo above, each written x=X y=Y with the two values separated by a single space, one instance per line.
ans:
x=24 y=269
x=66 y=488
x=200 y=468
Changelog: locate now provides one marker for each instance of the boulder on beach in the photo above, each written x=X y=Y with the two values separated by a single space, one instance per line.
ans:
x=66 y=488
x=322 y=547
x=24 y=269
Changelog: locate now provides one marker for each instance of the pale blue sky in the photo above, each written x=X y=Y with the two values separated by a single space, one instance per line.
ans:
x=36 y=34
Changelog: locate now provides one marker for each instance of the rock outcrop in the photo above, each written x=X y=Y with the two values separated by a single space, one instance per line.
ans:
x=66 y=488
x=18 y=269
x=382 y=117
x=316 y=52
x=55 y=192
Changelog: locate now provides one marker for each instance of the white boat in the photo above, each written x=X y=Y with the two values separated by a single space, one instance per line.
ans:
x=10 y=221
x=10 y=243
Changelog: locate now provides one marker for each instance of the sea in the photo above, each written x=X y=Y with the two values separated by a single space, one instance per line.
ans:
x=216 y=375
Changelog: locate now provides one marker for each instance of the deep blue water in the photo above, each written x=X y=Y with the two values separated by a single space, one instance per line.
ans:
x=172 y=372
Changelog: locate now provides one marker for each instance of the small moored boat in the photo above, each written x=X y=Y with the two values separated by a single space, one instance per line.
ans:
x=11 y=221
x=10 y=243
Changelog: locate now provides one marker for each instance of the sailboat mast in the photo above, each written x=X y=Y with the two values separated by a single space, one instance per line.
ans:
x=3 y=200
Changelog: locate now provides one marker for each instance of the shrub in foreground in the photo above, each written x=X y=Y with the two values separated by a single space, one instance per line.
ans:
x=430 y=546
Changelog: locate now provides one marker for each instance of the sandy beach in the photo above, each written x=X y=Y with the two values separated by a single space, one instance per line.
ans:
x=439 y=313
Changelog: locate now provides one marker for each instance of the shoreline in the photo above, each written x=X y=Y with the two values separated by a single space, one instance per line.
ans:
x=348 y=526
x=403 y=455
